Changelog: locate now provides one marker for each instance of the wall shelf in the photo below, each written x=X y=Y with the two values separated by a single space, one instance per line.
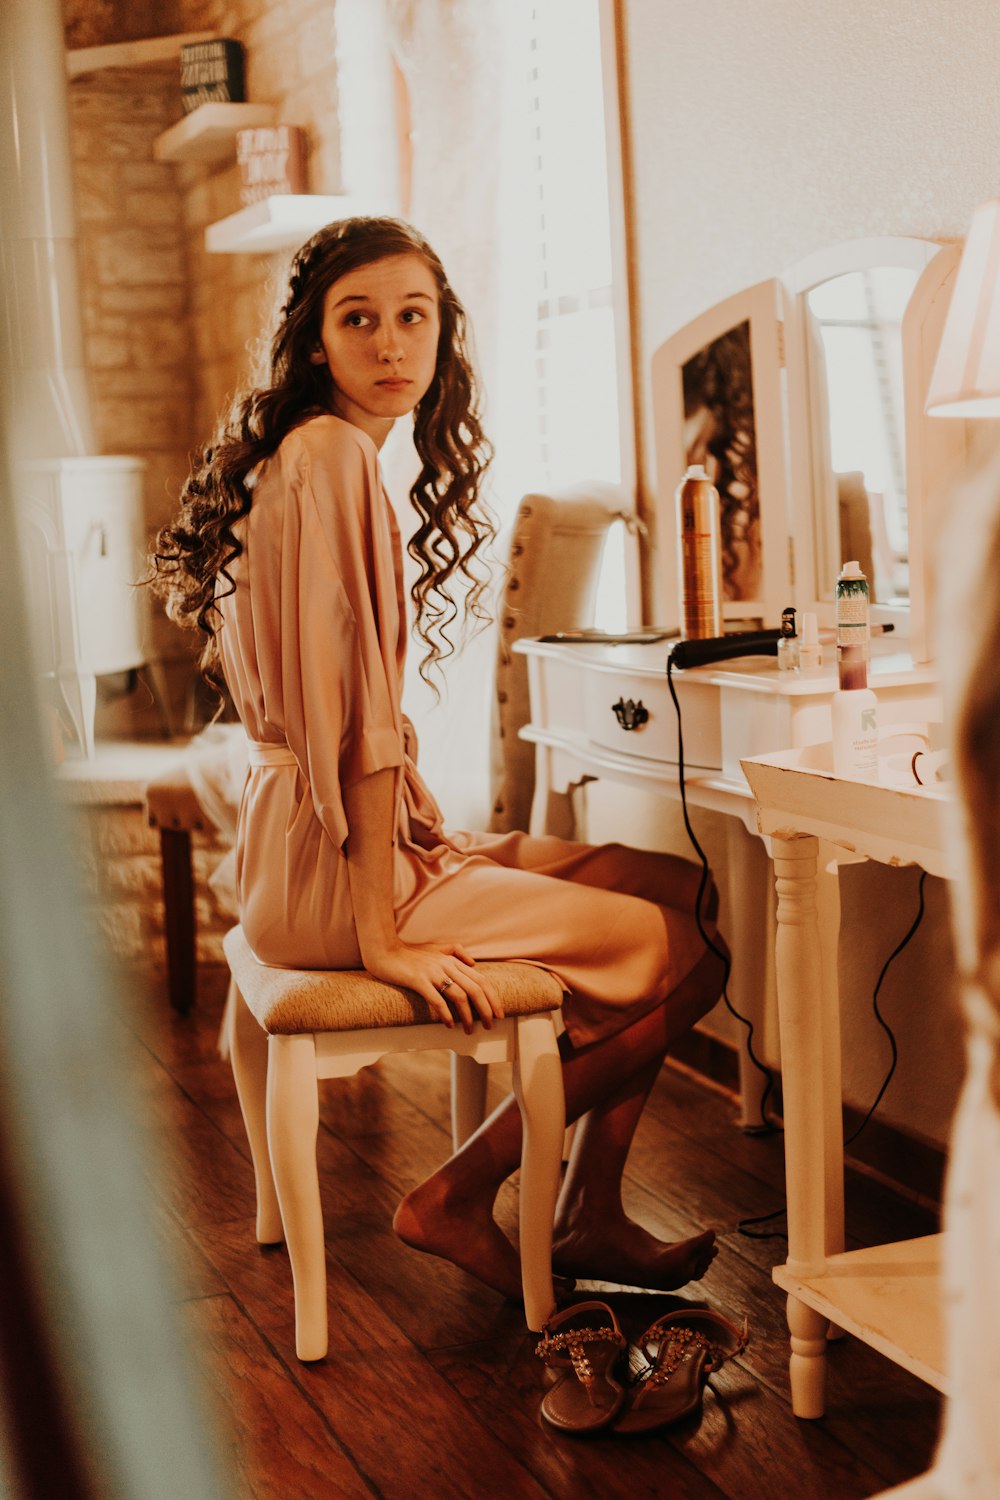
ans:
x=280 y=223
x=208 y=132
x=153 y=49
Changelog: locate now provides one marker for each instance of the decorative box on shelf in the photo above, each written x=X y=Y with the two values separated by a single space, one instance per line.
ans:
x=272 y=160
x=209 y=132
x=281 y=222
x=211 y=72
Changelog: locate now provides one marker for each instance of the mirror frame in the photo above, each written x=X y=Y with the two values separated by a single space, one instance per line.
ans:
x=761 y=307
x=939 y=450
x=920 y=334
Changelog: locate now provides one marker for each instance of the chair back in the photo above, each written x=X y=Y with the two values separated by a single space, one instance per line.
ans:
x=556 y=548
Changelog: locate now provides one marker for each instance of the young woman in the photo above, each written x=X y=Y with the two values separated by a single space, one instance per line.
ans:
x=287 y=555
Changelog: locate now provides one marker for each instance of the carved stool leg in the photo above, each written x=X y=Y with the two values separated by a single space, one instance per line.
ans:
x=248 y=1055
x=292 y=1126
x=468 y=1097
x=539 y=1091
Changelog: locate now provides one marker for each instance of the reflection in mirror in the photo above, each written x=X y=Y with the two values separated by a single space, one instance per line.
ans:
x=856 y=383
x=719 y=433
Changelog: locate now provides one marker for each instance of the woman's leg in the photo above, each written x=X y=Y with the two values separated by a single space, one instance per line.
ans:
x=451 y=1214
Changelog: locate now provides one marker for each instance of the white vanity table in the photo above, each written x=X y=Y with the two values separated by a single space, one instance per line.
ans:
x=730 y=714
x=887 y=1295
x=600 y=710
x=741 y=708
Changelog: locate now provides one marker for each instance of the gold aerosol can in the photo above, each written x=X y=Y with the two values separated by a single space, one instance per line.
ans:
x=699 y=560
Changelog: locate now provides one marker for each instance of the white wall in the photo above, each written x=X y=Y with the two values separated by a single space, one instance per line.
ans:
x=760 y=134
x=764 y=132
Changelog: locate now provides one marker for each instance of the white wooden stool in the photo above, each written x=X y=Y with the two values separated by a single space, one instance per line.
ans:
x=292 y=1027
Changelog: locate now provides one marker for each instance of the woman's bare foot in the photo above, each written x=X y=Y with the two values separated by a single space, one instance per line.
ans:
x=625 y=1253
x=435 y=1219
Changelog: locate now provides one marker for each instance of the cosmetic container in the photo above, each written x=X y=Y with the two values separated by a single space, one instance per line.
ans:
x=854 y=718
x=810 y=650
x=788 y=642
x=853 y=608
x=699 y=555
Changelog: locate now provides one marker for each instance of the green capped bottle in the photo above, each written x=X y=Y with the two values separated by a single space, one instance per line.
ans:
x=852 y=609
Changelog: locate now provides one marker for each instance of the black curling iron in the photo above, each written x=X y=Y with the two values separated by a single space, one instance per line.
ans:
x=700 y=653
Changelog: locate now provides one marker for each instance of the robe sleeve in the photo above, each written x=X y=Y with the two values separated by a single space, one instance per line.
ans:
x=338 y=616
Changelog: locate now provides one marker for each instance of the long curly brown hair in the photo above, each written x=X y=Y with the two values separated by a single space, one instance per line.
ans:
x=454 y=523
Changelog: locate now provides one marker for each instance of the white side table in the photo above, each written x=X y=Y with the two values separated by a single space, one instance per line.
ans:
x=887 y=1295
x=83 y=540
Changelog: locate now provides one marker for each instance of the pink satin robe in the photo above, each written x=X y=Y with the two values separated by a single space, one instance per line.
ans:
x=312 y=646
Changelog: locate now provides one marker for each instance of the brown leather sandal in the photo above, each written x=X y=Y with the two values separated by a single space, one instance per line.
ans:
x=683 y=1348
x=585 y=1343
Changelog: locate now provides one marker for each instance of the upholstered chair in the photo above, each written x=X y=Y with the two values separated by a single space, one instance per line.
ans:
x=556 y=548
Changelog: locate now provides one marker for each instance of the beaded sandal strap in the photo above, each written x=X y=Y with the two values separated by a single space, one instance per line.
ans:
x=682 y=1341
x=681 y=1344
x=572 y=1342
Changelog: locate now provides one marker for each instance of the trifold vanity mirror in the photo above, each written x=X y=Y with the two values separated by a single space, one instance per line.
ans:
x=804 y=397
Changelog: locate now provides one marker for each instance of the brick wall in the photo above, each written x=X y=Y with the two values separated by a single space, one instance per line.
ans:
x=171 y=331
x=290 y=62
x=135 y=296
x=119 y=860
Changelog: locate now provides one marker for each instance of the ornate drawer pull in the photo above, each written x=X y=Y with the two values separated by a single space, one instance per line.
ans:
x=630 y=715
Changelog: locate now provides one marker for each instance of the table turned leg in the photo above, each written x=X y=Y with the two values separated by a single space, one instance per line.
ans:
x=747 y=933
x=804 y=1068
x=807 y=1365
x=179 y=917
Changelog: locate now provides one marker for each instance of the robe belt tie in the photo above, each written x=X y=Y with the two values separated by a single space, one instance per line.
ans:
x=270 y=755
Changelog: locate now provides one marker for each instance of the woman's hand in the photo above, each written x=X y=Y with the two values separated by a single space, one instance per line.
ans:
x=444 y=975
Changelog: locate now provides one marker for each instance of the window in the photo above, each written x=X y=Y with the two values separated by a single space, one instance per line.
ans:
x=577 y=434
x=575 y=357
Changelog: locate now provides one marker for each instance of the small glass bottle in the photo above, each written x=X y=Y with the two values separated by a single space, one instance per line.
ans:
x=788 y=642
x=810 y=650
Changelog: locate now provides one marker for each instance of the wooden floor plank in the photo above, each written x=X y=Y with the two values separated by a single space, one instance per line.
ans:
x=209 y=1177
x=390 y=1409
x=276 y=1442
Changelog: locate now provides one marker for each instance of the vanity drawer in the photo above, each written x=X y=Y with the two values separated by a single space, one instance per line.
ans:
x=617 y=698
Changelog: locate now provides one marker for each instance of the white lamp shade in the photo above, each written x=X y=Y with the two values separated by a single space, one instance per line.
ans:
x=966 y=378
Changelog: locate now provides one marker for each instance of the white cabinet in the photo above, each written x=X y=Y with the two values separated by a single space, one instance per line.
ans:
x=83 y=540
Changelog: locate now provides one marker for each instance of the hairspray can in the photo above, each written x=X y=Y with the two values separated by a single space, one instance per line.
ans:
x=852 y=609
x=699 y=564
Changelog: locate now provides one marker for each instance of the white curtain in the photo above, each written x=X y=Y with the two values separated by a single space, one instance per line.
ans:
x=465 y=64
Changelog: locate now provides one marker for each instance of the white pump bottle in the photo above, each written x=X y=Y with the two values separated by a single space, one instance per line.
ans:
x=854 y=715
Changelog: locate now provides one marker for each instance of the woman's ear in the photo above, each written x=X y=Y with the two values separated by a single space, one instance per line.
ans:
x=318 y=357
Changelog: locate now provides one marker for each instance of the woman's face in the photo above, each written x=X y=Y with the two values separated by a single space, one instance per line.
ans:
x=379 y=336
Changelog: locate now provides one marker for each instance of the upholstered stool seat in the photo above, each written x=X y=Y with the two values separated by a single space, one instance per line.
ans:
x=290 y=1028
